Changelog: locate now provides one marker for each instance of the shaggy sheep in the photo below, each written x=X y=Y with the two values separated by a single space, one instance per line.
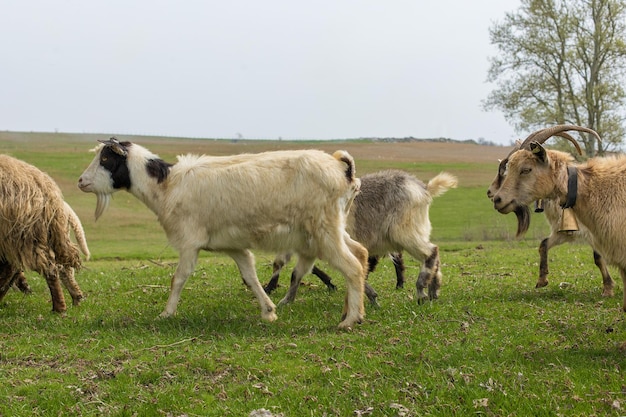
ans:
x=391 y=215
x=221 y=204
x=34 y=232
x=13 y=276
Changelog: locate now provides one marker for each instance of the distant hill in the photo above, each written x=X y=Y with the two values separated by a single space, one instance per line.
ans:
x=393 y=149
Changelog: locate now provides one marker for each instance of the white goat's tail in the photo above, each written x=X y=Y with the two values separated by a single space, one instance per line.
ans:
x=346 y=158
x=79 y=232
x=441 y=183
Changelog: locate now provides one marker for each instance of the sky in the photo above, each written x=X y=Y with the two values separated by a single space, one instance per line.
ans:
x=269 y=69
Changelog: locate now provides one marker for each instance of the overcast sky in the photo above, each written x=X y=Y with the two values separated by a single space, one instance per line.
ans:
x=294 y=69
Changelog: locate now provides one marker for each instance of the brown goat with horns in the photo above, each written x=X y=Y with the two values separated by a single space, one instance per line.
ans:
x=536 y=173
x=552 y=210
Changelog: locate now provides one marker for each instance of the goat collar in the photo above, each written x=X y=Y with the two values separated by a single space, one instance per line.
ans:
x=572 y=187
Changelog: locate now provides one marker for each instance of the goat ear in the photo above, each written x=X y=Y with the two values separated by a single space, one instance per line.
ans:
x=538 y=151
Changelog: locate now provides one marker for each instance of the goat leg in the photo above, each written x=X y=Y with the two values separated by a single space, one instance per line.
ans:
x=430 y=269
x=324 y=277
x=607 y=282
x=398 y=264
x=277 y=266
x=543 y=264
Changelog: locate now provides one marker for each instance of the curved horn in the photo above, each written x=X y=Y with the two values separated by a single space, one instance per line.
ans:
x=115 y=145
x=540 y=136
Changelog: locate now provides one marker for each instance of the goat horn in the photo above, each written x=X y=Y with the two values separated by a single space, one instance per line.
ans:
x=115 y=145
x=540 y=136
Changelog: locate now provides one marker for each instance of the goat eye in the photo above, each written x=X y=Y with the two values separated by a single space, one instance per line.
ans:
x=526 y=171
x=103 y=159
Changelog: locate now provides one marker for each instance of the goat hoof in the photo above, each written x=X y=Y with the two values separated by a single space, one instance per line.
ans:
x=285 y=301
x=422 y=300
x=269 y=317
x=348 y=324
x=164 y=315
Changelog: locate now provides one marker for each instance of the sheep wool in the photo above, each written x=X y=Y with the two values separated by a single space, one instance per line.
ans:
x=34 y=234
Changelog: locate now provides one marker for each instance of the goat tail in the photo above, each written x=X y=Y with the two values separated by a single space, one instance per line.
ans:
x=346 y=158
x=441 y=183
x=79 y=232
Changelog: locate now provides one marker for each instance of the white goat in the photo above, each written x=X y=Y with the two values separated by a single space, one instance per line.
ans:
x=598 y=197
x=220 y=204
x=391 y=215
x=35 y=225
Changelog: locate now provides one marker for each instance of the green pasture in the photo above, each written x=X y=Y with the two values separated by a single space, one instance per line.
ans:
x=491 y=345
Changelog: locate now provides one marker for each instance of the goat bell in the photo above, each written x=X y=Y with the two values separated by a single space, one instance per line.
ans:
x=569 y=224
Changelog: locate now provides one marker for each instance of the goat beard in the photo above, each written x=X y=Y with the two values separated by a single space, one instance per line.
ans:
x=523 y=219
x=102 y=203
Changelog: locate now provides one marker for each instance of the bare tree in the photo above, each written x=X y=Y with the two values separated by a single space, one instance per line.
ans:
x=562 y=62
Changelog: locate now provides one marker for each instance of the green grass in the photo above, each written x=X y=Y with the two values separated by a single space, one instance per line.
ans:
x=491 y=345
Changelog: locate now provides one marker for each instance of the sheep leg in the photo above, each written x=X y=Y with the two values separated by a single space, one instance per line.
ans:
x=67 y=277
x=245 y=262
x=303 y=267
x=21 y=283
x=350 y=258
x=8 y=276
x=607 y=282
x=398 y=264
x=430 y=276
x=622 y=272
x=186 y=265
x=56 y=292
x=279 y=262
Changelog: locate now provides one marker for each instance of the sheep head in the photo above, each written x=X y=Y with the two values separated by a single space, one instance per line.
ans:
x=522 y=212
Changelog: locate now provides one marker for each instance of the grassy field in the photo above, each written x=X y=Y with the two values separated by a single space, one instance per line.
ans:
x=491 y=345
